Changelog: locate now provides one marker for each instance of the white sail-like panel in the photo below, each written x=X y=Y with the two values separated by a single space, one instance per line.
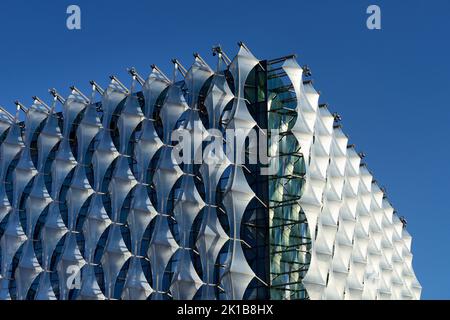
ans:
x=90 y=289
x=211 y=236
x=162 y=247
x=217 y=98
x=166 y=176
x=122 y=182
x=171 y=111
x=97 y=220
x=303 y=129
x=71 y=260
x=136 y=286
x=152 y=89
x=48 y=138
x=129 y=119
x=195 y=78
x=186 y=281
x=103 y=158
x=88 y=128
x=6 y=122
x=141 y=214
x=52 y=232
x=237 y=274
x=36 y=203
x=77 y=195
x=10 y=149
x=115 y=255
x=45 y=289
x=27 y=270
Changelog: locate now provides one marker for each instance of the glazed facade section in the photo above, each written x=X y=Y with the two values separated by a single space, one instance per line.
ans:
x=95 y=204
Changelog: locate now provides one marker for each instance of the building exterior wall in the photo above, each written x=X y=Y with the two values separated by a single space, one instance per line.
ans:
x=96 y=205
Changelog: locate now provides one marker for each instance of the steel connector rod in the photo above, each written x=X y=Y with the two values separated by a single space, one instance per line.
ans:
x=154 y=68
x=132 y=71
x=56 y=95
x=21 y=106
x=73 y=88
x=114 y=78
x=96 y=87
x=41 y=102
x=179 y=66
x=6 y=112
x=197 y=56
x=217 y=50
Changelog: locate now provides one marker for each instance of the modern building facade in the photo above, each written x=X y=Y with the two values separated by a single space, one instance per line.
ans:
x=95 y=203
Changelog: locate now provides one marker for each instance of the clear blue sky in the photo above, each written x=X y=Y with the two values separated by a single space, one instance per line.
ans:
x=391 y=87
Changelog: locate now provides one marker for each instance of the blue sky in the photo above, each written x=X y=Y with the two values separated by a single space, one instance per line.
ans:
x=390 y=86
